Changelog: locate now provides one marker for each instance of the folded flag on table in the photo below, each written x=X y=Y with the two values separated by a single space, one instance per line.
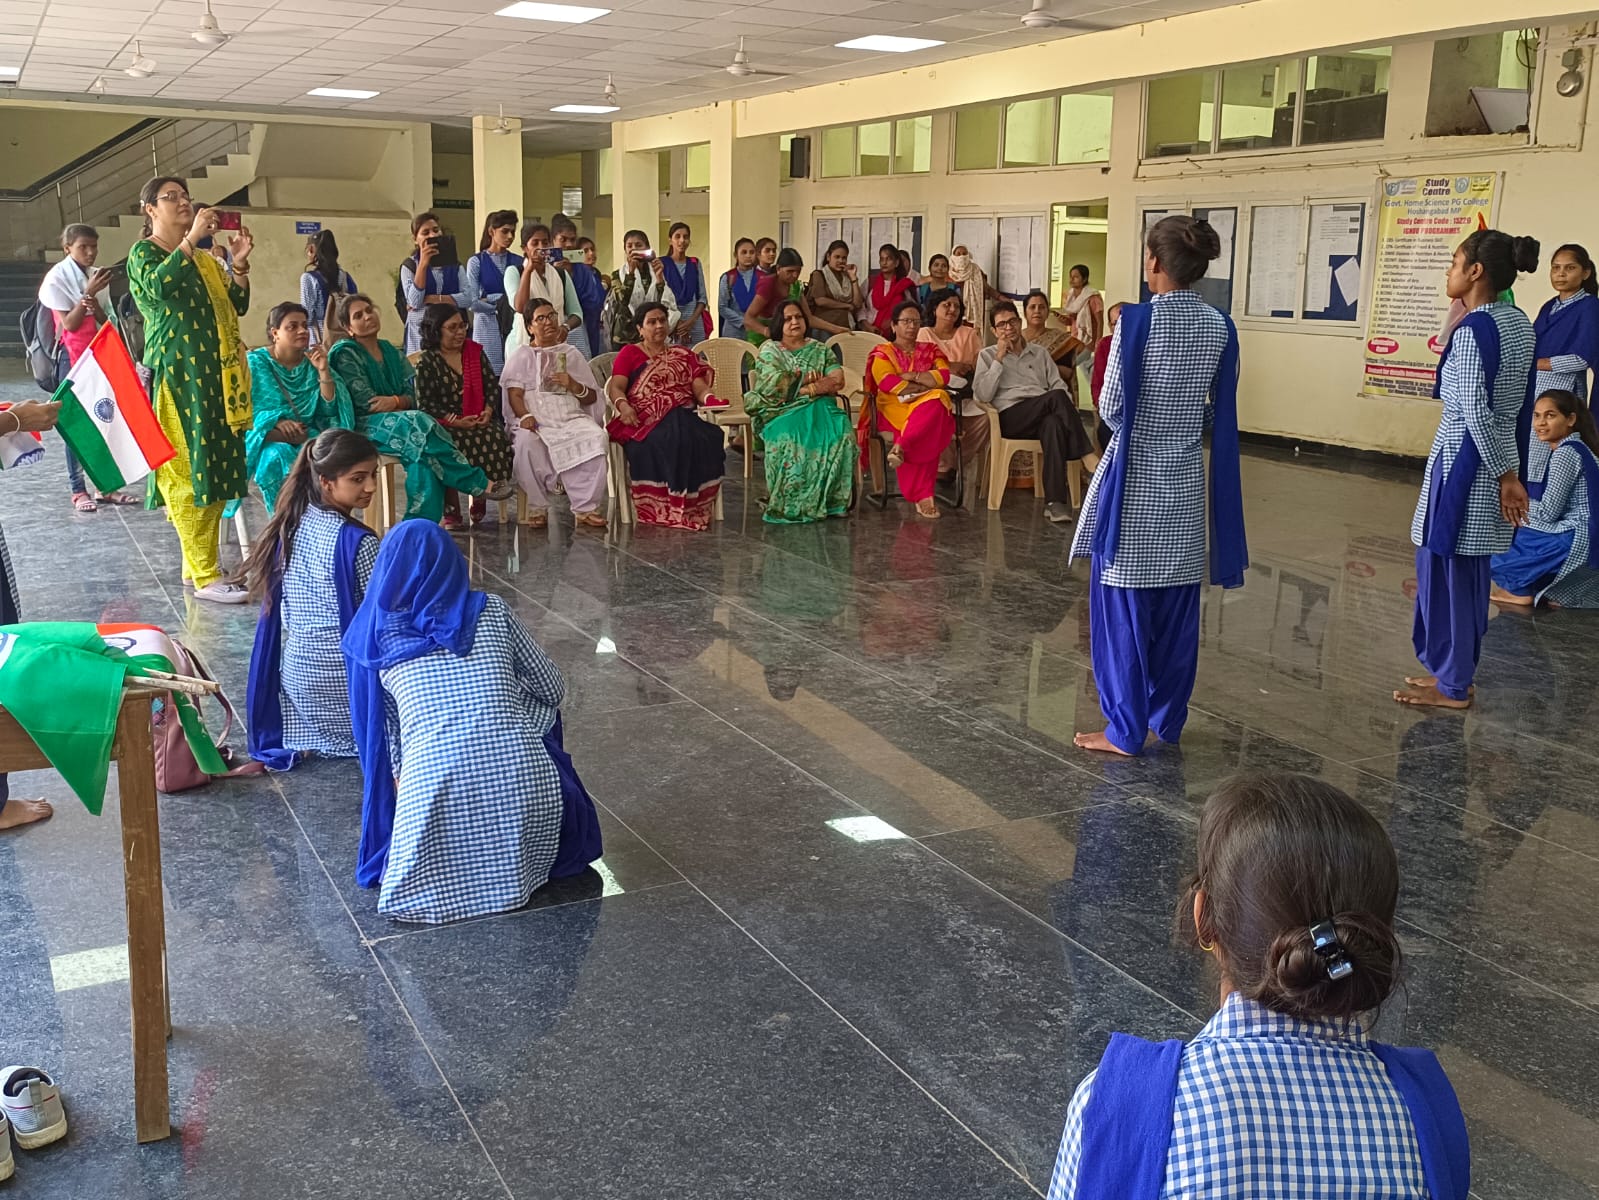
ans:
x=62 y=682
x=106 y=416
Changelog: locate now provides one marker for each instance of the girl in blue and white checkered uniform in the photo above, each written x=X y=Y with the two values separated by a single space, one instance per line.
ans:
x=1281 y=1096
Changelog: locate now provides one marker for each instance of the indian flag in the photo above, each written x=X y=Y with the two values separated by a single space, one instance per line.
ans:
x=106 y=416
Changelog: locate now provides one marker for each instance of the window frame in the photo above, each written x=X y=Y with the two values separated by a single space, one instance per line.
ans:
x=1299 y=323
x=818 y=136
x=687 y=187
x=1219 y=86
x=1054 y=99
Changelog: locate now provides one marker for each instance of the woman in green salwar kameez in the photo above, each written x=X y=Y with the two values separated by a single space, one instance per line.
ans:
x=296 y=396
x=382 y=386
x=794 y=407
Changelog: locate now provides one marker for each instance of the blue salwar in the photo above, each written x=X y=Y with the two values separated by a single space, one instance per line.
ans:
x=1451 y=617
x=1533 y=561
x=1145 y=645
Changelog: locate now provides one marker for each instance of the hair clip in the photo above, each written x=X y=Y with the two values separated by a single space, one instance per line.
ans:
x=1324 y=940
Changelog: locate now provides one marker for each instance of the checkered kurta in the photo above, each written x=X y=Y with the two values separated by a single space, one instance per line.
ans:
x=1567 y=372
x=315 y=692
x=1273 y=1108
x=1564 y=507
x=1465 y=398
x=477 y=818
x=1163 y=507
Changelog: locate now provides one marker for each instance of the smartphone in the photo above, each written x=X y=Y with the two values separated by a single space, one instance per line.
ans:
x=646 y=254
x=229 y=220
x=554 y=254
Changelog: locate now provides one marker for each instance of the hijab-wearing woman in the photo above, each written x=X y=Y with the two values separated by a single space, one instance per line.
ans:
x=1057 y=343
x=1567 y=329
x=965 y=274
x=1473 y=492
x=1173 y=374
x=674 y=458
x=487 y=289
x=296 y=396
x=479 y=804
x=423 y=282
x=686 y=278
x=199 y=385
x=382 y=387
x=937 y=280
x=1282 y=1094
x=891 y=286
x=792 y=401
x=639 y=281
x=834 y=292
x=1554 y=555
x=310 y=567
x=737 y=290
x=322 y=283
x=540 y=277
x=944 y=326
x=907 y=393
x=457 y=388
x=553 y=409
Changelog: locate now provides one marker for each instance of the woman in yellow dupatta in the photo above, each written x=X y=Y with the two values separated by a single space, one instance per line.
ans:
x=199 y=384
x=907 y=394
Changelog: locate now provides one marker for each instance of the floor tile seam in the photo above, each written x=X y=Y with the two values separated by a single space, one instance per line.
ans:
x=516 y=913
x=155 y=575
x=924 y=838
x=1493 y=964
x=840 y=1017
x=394 y=991
x=588 y=714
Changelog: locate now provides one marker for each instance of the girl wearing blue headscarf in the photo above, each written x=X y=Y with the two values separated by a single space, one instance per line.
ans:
x=470 y=802
x=1172 y=374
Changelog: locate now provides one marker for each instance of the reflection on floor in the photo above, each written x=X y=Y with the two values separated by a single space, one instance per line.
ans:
x=865 y=917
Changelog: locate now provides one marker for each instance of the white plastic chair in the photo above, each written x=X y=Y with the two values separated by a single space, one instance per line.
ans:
x=725 y=357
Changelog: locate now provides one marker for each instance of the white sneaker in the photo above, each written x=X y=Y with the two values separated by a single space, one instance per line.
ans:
x=8 y=1165
x=32 y=1102
x=223 y=592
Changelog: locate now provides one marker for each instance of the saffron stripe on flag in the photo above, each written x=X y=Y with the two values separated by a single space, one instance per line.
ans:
x=80 y=432
x=116 y=364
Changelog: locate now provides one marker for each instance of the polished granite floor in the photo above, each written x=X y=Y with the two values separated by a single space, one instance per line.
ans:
x=865 y=916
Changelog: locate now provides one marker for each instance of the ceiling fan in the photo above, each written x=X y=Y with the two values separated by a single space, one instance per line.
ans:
x=1039 y=17
x=610 y=92
x=502 y=126
x=142 y=66
x=210 y=34
x=741 y=67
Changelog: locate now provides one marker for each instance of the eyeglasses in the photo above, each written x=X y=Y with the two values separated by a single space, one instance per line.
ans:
x=1010 y=324
x=544 y=314
x=173 y=197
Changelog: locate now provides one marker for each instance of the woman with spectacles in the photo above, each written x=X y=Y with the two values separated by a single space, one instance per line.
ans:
x=199 y=384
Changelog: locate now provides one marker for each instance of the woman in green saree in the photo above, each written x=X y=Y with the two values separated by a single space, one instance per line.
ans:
x=793 y=405
x=382 y=386
x=296 y=395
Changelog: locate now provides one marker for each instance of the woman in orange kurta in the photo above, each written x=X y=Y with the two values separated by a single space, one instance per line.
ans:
x=907 y=391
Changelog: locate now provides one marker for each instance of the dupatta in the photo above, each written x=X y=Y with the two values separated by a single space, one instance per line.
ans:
x=1574 y=329
x=235 y=379
x=777 y=375
x=655 y=386
x=1229 y=552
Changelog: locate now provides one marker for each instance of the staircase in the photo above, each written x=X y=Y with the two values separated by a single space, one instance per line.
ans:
x=19 y=287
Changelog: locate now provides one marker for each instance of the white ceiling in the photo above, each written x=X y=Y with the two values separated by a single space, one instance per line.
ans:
x=444 y=60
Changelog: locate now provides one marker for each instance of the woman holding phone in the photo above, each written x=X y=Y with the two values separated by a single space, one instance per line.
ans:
x=430 y=276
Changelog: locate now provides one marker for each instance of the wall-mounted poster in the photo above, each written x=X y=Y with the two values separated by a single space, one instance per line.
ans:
x=1421 y=221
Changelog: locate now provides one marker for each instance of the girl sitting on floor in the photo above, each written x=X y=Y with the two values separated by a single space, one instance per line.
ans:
x=470 y=803
x=311 y=568
x=1281 y=1094
x=1554 y=555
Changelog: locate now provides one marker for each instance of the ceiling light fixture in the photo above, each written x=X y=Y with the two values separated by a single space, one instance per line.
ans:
x=590 y=109
x=10 y=73
x=566 y=14
x=885 y=43
x=141 y=67
x=210 y=33
x=343 y=93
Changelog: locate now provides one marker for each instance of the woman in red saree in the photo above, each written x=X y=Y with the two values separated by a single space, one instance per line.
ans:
x=674 y=458
x=892 y=286
x=907 y=393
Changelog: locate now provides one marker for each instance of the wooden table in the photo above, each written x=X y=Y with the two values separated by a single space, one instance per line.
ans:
x=132 y=751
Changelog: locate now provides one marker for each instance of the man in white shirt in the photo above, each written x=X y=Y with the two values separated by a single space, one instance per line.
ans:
x=1021 y=381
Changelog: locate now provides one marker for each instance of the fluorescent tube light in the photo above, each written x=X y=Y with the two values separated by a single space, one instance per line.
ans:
x=887 y=43
x=568 y=14
x=342 y=93
x=585 y=108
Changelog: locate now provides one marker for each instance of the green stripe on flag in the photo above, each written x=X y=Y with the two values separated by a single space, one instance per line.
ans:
x=80 y=432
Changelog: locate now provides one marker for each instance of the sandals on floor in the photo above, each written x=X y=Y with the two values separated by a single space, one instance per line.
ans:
x=119 y=499
x=84 y=502
x=537 y=520
x=931 y=512
x=592 y=519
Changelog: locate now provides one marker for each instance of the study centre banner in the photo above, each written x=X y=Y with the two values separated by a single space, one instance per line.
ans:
x=1420 y=223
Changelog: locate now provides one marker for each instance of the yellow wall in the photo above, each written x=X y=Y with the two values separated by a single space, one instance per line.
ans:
x=35 y=142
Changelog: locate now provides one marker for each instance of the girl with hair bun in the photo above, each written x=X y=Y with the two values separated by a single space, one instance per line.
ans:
x=1281 y=1094
x=1171 y=375
x=310 y=567
x=1473 y=493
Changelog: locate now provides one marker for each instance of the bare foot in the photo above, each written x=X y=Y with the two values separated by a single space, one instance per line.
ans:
x=1431 y=681
x=1098 y=741
x=1499 y=596
x=1429 y=697
x=24 y=812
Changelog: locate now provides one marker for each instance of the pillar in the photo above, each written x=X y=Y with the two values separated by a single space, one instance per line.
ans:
x=496 y=170
x=635 y=191
x=745 y=175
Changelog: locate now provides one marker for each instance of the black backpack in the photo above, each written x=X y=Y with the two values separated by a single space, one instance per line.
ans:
x=42 y=345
